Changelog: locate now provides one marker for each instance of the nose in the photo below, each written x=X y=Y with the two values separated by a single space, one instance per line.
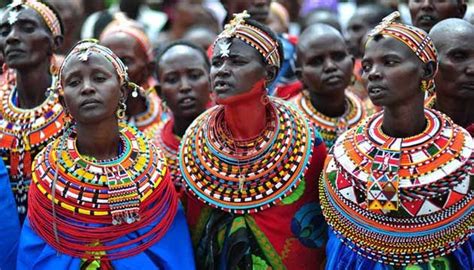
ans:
x=184 y=86
x=427 y=5
x=374 y=74
x=223 y=70
x=329 y=65
x=88 y=88
x=12 y=36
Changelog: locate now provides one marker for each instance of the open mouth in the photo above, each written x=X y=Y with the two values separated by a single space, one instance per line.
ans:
x=187 y=102
x=427 y=20
x=221 y=86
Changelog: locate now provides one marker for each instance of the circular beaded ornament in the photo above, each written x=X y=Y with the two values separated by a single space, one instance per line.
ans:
x=331 y=127
x=418 y=209
x=95 y=203
x=246 y=176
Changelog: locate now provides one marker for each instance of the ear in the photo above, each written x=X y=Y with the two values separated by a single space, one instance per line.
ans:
x=57 y=43
x=124 y=90
x=429 y=70
x=271 y=73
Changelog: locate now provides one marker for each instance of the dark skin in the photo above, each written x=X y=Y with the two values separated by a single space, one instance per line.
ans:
x=92 y=91
x=325 y=68
x=184 y=85
x=393 y=73
x=357 y=28
x=71 y=13
x=233 y=80
x=27 y=48
x=258 y=9
x=453 y=38
x=426 y=13
x=139 y=67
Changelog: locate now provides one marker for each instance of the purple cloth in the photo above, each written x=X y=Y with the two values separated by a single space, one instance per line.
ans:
x=309 y=5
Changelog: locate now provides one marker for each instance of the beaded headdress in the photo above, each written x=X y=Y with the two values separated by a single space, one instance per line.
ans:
x=84 y=48
x=122 y=24
x=48 y=15
x=416 y=39
x=258 y=39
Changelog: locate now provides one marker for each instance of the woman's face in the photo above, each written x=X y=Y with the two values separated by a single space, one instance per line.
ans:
x=92 y=89
x=184 y=81
x=392 y=72
x=235 y=69
x=28 y=42
x=131 y=53
x=326 y=65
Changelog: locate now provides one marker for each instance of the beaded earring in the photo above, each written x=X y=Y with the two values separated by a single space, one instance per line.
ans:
x=121 y=109
x=424 y=85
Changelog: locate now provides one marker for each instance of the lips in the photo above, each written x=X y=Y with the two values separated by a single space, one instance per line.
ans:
x=376 y=91
x=186 y=102
x=334 y=79
x=468 y=86
x=221 y=86
x=9 y=52
x=90 y=102
x=427 y=20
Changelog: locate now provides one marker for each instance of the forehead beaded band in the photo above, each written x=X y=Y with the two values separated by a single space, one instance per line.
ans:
x=258 y=39
x=83 y=49
x=416 y=39
x=122 y=24
x=48 y=15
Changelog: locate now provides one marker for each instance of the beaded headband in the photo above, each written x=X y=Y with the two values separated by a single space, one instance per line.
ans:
x=417 y=40
x=258 y=39
x=84 y=48
x=48 y=15
x=122 y=24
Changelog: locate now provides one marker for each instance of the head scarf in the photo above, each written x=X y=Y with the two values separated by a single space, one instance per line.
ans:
x=122 y=24
x=48 y=15
x=253 y=36
x=416 y=39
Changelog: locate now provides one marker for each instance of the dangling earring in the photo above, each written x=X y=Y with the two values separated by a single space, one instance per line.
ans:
x=264 y=99
x=135 y=92
x=424 y=85
x=121 y=109
x=53 y=66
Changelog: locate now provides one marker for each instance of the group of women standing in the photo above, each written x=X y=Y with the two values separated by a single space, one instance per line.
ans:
x=245 y=184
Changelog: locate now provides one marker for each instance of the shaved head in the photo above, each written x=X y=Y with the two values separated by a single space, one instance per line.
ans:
x=316 y=31
x=449 y=29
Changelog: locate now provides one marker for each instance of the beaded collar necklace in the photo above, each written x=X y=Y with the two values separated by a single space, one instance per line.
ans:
x=119 y=195
x=331 y=127
x=273 y=164
x=151 y=115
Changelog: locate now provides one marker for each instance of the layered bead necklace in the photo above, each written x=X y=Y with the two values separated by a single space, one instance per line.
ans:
x=95 y=203
x=331 y=127
x=251 y=175
x=23 y=133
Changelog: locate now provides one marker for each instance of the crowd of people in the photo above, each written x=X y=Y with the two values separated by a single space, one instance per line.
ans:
x=252 y=134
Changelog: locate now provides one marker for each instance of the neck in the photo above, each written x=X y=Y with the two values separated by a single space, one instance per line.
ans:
x=245 y=114
x=136 y=105
x=329 y=105
x=31 y=85
x=404 y=120
x=461 y=111
x=180 y=125
x=100 y=141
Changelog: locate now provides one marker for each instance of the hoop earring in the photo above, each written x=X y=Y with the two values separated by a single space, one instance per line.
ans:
x=121 y=110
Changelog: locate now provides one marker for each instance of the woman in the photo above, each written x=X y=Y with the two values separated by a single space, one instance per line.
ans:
x=254 y=161
x=30 y=33
x=325 y=68
x=396 y=189
x=111 y=203
x=183 y=73
x=125 y=38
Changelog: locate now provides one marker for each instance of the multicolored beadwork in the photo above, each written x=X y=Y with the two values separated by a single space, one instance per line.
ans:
x=272 y=164
x=155 y=133
x=331 y=127
x=431 y=173
x=152 y=114
x=23 y=133
x=115 y=196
